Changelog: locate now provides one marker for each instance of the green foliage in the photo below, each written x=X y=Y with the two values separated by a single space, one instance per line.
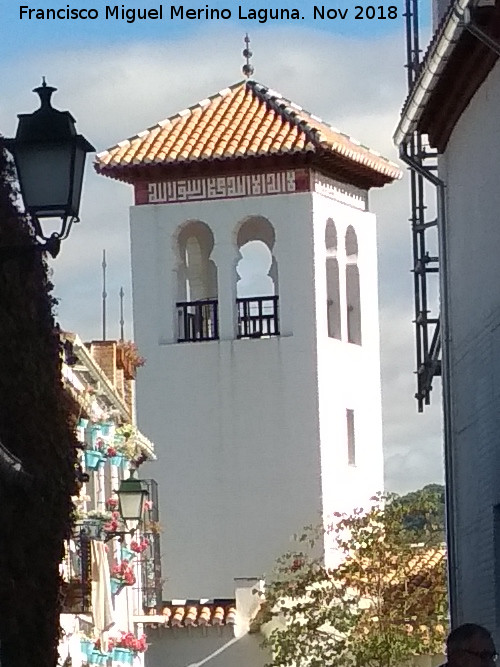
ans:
x=384 y=602
x=37 y=427
x=424 y=520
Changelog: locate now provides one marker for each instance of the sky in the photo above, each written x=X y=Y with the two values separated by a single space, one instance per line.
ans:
x=118 y=78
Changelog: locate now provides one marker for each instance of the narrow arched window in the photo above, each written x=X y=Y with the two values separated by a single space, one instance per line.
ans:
x=332 y=282
x=353 y=293
x=257 y=275
x=197 y=305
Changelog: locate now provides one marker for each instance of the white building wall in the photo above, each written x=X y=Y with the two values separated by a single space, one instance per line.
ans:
x=213 y=647
x=470 y=169
x=235 y=422
x=349 y=374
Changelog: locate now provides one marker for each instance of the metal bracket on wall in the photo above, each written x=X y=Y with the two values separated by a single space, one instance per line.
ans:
x=422 y=162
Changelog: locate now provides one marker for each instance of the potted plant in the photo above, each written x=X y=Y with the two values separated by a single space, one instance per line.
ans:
x=116 y=458
x=126 y=646
x=86 y=646
x=97 y=656
x=139 y=547
x=95 y=435
x=107 y=429
x=95 y=454
x=83 y=423
x=128 y=359
x=125 y=442
x=114 y=523
x=112 y=504
x=121 y=575
x=93 y=523
x=93 y=459
x=126 y=553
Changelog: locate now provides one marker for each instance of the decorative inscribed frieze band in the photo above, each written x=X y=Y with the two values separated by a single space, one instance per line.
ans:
x=222 y=187
x=341 y=192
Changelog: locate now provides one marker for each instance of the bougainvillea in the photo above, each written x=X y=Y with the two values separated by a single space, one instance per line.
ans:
x=130 y=641
x=139 y=547
x=37 y=427
x=381 y=602
x=124 y=572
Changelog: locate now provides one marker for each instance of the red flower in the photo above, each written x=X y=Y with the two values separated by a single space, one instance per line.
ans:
x=139 y=547
x=128 y=640
x=124 y=572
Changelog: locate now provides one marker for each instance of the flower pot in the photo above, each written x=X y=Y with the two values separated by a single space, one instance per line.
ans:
x=116 y=585
x=95 y=434
x=94 y=658
x=117 y=657
x=92 y=459
x=102 y=658
x=117 y=460
x=128 y=657
x=128 y=554
x=83 y=423
x=86 y=648
x=107 y=429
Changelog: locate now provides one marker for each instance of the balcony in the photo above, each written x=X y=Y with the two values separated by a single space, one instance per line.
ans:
x=76 y=591
x=258 y=317
x=197 y=321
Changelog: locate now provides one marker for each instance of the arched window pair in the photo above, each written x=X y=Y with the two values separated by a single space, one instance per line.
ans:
x=257 y=282
x=352 y=286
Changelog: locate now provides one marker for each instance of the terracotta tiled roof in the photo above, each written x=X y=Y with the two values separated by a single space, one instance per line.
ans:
x=196 y=614
x=422 y=564
x=247 y=120
x=419 y=571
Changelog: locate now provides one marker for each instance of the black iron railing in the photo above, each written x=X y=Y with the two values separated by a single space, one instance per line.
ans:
x=197 y=321
x=76 y=590
x=258 y=317
x=152 y=582
x=148 y=588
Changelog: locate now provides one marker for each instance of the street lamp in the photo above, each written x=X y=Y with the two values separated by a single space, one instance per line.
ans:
x=132 y=494
x=50 y=157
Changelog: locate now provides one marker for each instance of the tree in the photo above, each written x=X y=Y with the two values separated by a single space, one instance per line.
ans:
x=383 y=603
x=38 y=457
x=425 y=511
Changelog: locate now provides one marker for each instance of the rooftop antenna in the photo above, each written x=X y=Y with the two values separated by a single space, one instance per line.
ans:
x=104 y=294
x=247 y=68
x=122 y=321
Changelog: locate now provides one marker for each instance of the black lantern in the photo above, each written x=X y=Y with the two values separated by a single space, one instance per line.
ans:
x=132 y=494
x=50 y=159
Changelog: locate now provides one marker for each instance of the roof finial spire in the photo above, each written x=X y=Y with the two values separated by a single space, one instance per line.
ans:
x=247 y=67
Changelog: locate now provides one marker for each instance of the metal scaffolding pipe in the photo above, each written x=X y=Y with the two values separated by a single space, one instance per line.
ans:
x=450 y=475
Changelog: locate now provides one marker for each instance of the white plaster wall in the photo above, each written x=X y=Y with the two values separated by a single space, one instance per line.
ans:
x=235 y=423
x=471 y=171
x=348 y=374
x=182 y=647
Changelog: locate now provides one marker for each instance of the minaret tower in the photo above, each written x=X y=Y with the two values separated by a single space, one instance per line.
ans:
x=254 y=267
